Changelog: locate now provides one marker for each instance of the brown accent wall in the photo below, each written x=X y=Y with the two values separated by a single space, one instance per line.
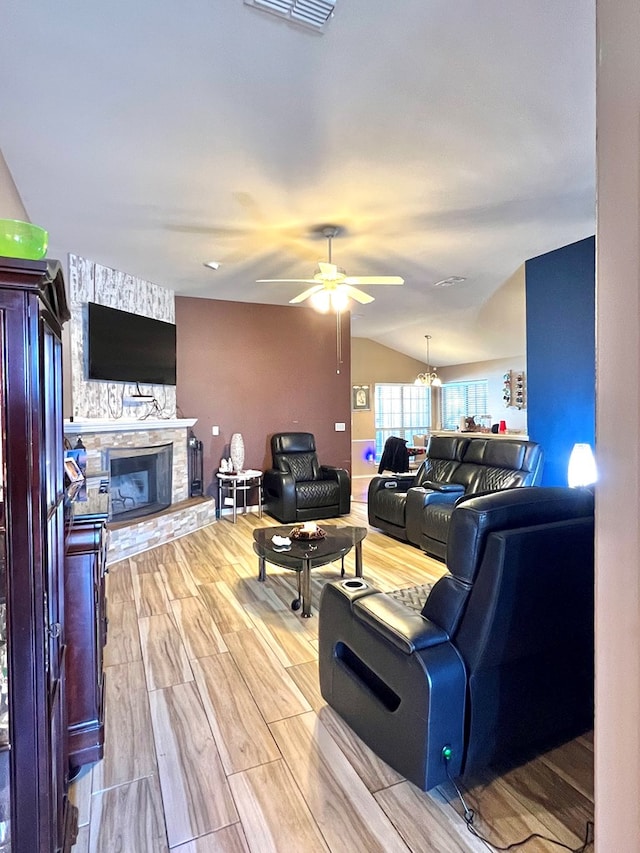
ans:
x=260 y=369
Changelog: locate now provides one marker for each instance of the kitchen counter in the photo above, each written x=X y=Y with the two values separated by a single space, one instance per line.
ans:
x=476 y=434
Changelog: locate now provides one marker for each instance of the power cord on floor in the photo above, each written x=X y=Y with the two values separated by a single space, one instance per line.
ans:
x=469 y=815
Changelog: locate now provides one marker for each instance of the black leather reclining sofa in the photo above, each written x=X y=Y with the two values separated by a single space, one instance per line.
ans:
x=418 y=509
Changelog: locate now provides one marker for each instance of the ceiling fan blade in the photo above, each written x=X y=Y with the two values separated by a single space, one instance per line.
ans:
x=329 y=271
x=359 y=295
x=373 y=279
x=286 y=280
x=306 y=294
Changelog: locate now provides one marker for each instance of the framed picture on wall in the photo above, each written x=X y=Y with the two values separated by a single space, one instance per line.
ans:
x=360 y=397
x=73 y=474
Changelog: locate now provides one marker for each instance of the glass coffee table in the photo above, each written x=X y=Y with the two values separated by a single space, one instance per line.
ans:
x=306 y=554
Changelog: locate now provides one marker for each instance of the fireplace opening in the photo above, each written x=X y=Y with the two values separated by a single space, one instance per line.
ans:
x=139 y=480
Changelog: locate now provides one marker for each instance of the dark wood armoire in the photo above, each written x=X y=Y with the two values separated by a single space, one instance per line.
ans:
x=35 y=814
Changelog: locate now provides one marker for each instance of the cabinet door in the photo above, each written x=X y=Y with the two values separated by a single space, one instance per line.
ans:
x=5 y=769
x=85 y=637
x=51 y=462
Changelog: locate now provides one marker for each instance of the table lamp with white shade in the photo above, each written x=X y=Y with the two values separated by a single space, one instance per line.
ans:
x=582 y=466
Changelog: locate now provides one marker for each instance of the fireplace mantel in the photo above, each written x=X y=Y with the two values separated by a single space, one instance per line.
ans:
x=86 y=426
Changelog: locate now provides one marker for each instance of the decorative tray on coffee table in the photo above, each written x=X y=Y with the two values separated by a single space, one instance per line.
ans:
x=299 y=533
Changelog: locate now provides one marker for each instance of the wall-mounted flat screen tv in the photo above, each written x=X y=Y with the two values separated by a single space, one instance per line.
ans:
x=125 y=347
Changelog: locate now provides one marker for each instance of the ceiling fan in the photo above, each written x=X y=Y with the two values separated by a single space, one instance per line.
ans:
x=332 y=287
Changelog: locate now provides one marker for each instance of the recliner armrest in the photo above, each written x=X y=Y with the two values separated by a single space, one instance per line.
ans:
x=394 y=482
x=280 y=494
x=272 y=475
x=405 y=707
x=332 y=472
x=421 y=497
x=417 y=499
x=341 y=476
x=401 y=626
x=456 y=488
x=469 y=495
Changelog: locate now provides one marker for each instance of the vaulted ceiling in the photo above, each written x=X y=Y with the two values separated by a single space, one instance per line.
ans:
x=445 y=138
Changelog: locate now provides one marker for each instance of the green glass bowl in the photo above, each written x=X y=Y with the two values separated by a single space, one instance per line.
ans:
x=22 y=240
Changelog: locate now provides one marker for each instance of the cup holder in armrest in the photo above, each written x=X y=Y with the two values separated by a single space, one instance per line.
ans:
x=354 y=584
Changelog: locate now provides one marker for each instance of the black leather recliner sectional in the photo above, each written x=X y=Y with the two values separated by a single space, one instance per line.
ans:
x=497 y=667
x=418 y=509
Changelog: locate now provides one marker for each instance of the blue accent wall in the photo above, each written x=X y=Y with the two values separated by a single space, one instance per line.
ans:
x=561 y=377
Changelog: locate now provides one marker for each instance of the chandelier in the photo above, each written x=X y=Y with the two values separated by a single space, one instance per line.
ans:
x=429 y=378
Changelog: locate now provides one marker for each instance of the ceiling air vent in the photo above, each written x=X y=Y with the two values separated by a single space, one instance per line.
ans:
x=448 y=282
x=310 y=13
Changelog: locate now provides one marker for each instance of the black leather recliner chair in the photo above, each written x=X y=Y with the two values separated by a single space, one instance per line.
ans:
x=298 y=488
x=499 y=664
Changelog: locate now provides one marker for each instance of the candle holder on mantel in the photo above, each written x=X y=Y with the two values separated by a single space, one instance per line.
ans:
x=236 y=451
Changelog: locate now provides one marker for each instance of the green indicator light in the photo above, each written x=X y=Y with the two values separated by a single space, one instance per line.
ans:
x=446 y=753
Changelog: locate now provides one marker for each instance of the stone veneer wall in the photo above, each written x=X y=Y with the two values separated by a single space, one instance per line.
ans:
x=91 y=282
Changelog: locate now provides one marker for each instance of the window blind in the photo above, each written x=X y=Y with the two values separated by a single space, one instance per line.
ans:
x=462 y=399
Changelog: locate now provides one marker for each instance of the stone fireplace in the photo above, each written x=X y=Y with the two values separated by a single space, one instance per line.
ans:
x=139 y=480
x=124 y=446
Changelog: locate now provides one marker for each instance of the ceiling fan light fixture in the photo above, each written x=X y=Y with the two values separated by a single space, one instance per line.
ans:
x=339 y=287
x=330 y=299
x=321 y=301
x=339 y=298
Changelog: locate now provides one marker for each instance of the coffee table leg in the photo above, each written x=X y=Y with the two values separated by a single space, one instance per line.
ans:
x=297 y=601
x=359 y=560
x=306 y=589
x=262 y=572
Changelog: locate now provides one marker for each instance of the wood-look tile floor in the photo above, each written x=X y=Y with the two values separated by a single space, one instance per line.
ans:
x=218 y=740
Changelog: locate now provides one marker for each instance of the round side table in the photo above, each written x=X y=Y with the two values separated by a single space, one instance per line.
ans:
x=240 y=481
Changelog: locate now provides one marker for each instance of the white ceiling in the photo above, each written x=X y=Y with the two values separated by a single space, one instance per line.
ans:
x=446 y=137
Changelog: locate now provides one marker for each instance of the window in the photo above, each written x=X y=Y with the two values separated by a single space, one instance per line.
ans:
x=463 y=399
x=401 y=410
